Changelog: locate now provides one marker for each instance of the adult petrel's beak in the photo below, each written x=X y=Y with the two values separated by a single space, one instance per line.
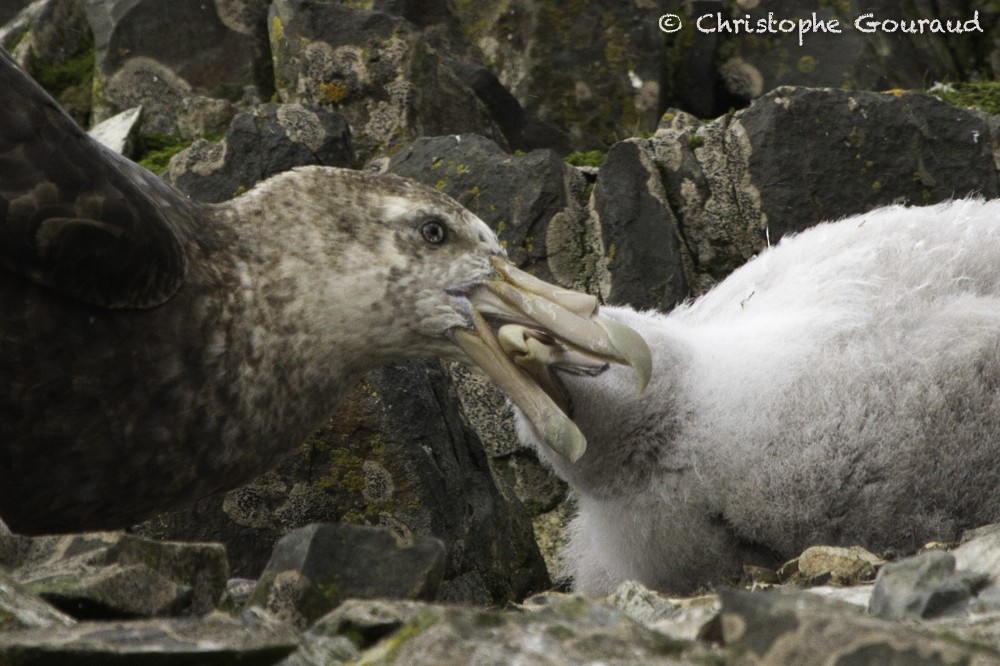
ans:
x=571 y=318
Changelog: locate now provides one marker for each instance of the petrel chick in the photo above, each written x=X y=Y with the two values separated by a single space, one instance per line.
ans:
x=154 y=351
x=842 y=388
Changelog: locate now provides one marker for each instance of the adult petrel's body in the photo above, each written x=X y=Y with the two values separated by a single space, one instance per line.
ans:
x=154 y=350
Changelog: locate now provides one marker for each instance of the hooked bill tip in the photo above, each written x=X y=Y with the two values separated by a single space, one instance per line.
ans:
x=633 y=350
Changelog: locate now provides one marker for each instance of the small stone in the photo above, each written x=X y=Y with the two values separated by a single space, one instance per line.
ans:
x=682 y=619
x=789 y=571
x=845 y=566
x=922 y=586
x=755 y=575
x=118 y=132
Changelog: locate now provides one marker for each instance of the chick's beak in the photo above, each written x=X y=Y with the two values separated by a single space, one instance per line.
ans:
x=570 y=318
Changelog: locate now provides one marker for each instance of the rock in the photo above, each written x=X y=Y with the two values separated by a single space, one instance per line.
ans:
x=691 y=66
x=641 y=235
x=237 y=595
x=315 y=568
x=112 y=575
x=339 y=636
x=536 y=203
x=200 y=116
x=756 y=64
x=682 y=619
x=118 y=133
x=19 y=609
x=10 y=8
x=923 y=586
x=216 y=639
x=857 y=595
x=391 y=81
x=609 y=78
x=563 y=630
x=522 y=130
x=53 y=42
x=142 y=59
x=799 y=627
x=845 y=566
x=400 y=456
x=743 y=181
x=980 y=551
x=260 y=143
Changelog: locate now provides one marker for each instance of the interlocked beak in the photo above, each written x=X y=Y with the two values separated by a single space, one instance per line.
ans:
x=522 y=325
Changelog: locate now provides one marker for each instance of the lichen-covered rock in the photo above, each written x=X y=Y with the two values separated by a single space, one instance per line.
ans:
x=314 y=569
x=593 y=69
x=143 y=59
x=258 y=144
x=19 y=609
x=563 y=630
x=390 y=80
x=215 y=640
x=113 y=575
x=838 y=566
x=682 y=619
x=799 y=156
x=798 y=627
x=980 y=551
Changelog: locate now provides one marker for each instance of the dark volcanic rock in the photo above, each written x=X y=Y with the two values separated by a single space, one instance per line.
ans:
x=261 y=143
x=799 y=156
x=825 y=154
x=595 y=70
x=755 y=64
x=144 y=58
x=397 y=455
x=535 y=202
x=641 y=235
x=315 y=568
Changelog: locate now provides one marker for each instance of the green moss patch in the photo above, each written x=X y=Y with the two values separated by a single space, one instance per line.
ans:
x=593 y=158
x=57 y=78
x=155 y=150
x=984 y=96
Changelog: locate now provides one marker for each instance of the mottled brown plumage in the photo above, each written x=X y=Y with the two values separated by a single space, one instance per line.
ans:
x=154 y=351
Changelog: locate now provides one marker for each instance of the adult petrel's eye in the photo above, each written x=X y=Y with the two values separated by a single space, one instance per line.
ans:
x=434 y=231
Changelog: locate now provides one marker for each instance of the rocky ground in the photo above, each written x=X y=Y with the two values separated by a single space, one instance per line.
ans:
x=334 y=594
x=608 y=156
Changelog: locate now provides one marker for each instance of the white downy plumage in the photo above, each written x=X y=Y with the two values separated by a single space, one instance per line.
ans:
x=841 y=388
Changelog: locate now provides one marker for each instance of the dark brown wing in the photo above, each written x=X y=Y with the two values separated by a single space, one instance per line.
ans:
x=75 y=216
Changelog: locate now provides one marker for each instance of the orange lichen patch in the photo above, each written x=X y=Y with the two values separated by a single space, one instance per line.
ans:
x=335 y=92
